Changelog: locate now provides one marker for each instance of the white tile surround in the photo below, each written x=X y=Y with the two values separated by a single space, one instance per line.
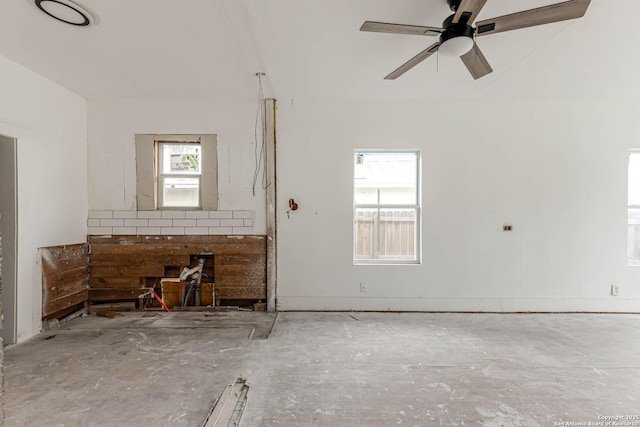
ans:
x=147 y=223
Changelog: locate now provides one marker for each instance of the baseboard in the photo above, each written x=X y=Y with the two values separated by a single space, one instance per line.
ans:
x=495 y=305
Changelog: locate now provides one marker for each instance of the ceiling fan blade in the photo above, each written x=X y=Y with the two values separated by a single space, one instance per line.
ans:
x=413 y=61
x=468 y=11
x=384 y=27
x=476 y=63
x=571 y=9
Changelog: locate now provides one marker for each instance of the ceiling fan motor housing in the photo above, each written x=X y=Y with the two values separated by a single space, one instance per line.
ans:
x=452 y=30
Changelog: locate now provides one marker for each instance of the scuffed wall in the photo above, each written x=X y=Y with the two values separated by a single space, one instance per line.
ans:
x=50 y=125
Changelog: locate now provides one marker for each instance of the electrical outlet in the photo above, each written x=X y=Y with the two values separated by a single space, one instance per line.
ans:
x=363 y=287
x=615 y=290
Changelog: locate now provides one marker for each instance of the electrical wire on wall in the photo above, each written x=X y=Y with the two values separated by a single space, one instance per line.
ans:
x=259 y=154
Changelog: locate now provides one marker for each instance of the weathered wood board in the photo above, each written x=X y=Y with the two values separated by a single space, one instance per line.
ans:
x=174 y=293
x=120 y=266
x=65 y=279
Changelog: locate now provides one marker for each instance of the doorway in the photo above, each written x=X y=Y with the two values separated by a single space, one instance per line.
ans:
x=8 y=236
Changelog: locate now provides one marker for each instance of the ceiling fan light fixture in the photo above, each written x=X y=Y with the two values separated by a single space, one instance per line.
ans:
x=458 y=31
x=456 y=46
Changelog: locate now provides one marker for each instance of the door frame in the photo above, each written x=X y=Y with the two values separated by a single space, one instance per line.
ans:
x=9 y=229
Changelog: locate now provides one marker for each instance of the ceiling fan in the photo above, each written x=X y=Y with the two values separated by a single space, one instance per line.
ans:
x=457 y=34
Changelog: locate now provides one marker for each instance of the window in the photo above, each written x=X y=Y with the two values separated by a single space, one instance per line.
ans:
x=633 y=202
x=176 y=172
x=179 y=166
x=386 y=199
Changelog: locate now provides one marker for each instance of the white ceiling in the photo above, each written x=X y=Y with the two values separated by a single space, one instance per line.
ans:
x=312 y=49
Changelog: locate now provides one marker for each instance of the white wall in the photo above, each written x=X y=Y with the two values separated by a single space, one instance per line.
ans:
x=556 y=171
x=113 y=125
x=49 y=123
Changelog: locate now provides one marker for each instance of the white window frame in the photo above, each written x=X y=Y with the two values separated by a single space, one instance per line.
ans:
x=417 y=207
x=147 y=177
x=161 y=175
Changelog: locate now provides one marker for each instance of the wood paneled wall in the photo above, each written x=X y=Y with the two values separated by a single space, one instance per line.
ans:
x=64 y=279
x=121 y=266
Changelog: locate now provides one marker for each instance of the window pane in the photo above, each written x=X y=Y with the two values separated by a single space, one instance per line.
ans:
x=633 y=237
x=390 y=177
x=366 y=196
x=365 y=220
x=633 y=229
x=181 y=192
x=398 y=196
x=385 y=234
x=181 y=158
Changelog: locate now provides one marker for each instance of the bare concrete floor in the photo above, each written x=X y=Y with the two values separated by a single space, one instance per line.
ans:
x=337 y=369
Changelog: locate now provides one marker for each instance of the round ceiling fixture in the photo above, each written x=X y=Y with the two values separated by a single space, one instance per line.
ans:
x=456 y=46
x=456 y=39
x=66 y=11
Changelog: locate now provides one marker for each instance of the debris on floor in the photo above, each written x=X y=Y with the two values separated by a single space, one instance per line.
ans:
x=108 y=313
x=227 y=410
x=116 y=306
x=260 y=306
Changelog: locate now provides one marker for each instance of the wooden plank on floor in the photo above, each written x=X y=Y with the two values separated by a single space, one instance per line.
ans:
x=229 y=406
x=117 y=306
